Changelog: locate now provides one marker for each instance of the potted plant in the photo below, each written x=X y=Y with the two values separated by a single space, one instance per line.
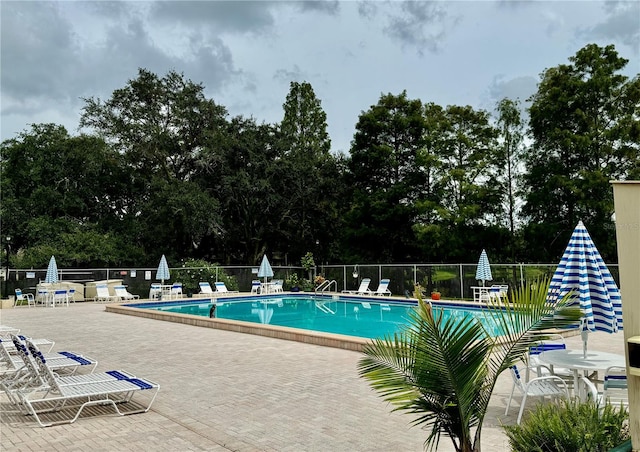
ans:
x=435 y=295
x=292 y=283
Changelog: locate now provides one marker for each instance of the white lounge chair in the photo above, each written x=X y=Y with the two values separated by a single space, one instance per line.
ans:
x=22 y=297
x=102 y=294
x=383 y=288
x=363 y=289
x=255 y=286
x=6 y=331
x=123 y=294
x=62 y=394
x=221 y=287
x=205 y=288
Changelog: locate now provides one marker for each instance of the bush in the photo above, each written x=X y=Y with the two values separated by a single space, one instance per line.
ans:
x=570 y=427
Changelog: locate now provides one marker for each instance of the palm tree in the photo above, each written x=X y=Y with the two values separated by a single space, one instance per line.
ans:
x=444 y=370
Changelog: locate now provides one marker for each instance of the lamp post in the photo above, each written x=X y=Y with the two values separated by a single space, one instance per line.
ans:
x=7 y=247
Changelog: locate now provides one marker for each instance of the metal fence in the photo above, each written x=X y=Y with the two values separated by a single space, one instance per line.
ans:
x=453 y=281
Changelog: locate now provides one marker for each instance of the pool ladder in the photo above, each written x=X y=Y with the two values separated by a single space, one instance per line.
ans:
x=326 y=286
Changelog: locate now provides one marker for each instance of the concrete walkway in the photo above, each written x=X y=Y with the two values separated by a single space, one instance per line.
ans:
x=225 y=391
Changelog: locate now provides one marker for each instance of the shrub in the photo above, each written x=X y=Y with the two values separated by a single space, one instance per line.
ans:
x=570 y=426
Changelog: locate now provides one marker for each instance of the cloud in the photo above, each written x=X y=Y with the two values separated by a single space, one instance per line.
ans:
x=517 y=88
x=218 y=16
x=38 y=53
x=621 y=23
x=287 y=76
x=331 y=7
x=422 y=25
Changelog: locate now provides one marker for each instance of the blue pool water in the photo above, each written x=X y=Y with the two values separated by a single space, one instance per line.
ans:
x=369 y=318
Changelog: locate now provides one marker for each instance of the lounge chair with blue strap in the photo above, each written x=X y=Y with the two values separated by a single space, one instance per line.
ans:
x=221 y=287
x=383 y=288
x=67 y=398
x=205 y=288
x=102 y=294
x=363 y=289
x=123 y=294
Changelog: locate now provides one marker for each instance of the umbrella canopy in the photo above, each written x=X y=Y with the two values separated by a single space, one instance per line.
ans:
x=163 y=270
x=583 y=273
x=265 y=271
x=483 y=273
x=52 y=271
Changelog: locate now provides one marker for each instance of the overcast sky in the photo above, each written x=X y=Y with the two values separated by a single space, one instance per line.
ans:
x=246 y=53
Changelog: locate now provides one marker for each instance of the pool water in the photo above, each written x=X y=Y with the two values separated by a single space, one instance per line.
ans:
x=368 y=318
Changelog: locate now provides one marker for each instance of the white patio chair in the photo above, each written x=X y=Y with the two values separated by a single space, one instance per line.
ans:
x=71 y=293
x=615 y=389
x=123 y=294
x=176 y=291
x=155 y=291
x=553 y=341
x=60 y=297
x=22 y=297
x=363 y=289
x=255 y=286
x=61 y=394
x=277 y=286
x=547 y=386
x=590 y=391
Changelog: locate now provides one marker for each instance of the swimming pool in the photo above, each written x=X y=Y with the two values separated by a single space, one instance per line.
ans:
x=360 y=317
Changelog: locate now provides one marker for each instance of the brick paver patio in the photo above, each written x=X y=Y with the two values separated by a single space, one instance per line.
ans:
x=225 y=391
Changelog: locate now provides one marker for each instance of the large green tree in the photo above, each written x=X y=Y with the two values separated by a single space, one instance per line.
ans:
x=387 y=180
x=309 y=177
x=468 y=182
x=63 y=195
x=161 y=126
x=511 y=148
x=584 y=123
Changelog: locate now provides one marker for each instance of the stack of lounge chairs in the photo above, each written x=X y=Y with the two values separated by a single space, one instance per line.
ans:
x=55 y=387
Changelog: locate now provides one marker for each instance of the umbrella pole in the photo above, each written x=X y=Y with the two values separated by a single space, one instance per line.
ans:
x=584 y=334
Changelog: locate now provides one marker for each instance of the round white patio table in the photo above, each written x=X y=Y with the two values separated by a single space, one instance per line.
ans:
x=576 y=361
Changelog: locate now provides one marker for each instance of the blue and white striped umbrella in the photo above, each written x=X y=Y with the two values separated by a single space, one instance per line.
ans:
x=583 y=272
x=163 y=270
x=52 y=271
x=265 y=271
x=483 y=273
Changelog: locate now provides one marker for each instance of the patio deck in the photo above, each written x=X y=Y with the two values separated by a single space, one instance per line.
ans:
x=227 y=391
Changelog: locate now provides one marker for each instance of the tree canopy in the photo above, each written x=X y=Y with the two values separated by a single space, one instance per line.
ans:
x=162 y=169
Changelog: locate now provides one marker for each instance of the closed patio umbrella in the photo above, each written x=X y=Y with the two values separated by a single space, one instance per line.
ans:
x=583 y=273
x=483 y=272
x=52 y=271
x=163 y=270
x=265 y=271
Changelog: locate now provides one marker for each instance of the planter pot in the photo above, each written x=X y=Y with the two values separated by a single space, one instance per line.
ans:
x=295 y=289
x=435 y=296
x=6 y=303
